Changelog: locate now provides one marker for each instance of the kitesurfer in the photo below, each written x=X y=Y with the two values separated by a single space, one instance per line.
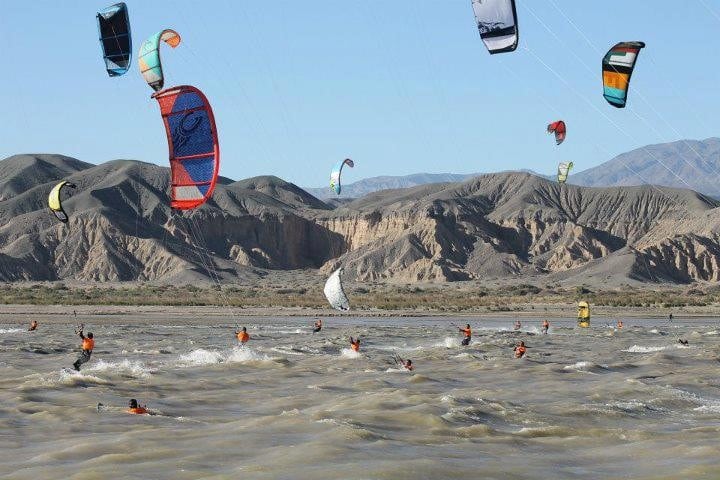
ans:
x=243 y=336
x=355 y=344
x=545 y=327
x=518 y=325
x=33 y=326
x=88 y=343
x=136 y=409
x=318 y=326
x=467 y=333
x=520 y=350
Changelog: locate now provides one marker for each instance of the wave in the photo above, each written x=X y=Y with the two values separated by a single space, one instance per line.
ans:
x=12 y=330
x=201 y=356
x=133 y=367
x=448 y=342
x=349 y=353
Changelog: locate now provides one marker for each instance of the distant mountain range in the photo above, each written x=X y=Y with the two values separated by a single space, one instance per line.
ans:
x=693 y=164
x=369 y=185
x=495 y=226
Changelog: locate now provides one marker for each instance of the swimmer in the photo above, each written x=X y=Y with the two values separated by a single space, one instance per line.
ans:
x=318 y=326
x=355 y=344
x=243 y=336
x=135 y=409
x=545 y=327
x=33 y=326
x=520 y=350
x=518 y=325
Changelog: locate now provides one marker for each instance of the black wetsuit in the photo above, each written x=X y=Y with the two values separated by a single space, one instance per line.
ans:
x=83 y=358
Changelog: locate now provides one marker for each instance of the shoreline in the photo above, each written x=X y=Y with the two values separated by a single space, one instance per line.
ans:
x=9 y=312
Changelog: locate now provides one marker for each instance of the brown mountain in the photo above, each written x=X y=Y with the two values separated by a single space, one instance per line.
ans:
x=509 y=225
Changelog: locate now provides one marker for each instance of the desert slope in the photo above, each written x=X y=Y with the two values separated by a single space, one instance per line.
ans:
x=496 y=226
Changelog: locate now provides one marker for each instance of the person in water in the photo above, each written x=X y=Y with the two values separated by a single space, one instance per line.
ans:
x=33 y=326
x=136 y=409
x=355 y=344
x=243 y=336
x=619 y=324
x=520 y=350
x=318 y=326
x=88 y=344
x=407 y=364
x=518 y=325
x=467 y=333
x=545 y=327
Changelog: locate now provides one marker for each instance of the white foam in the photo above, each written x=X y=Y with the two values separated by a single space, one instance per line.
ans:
x=135 y=368
x=578 y=366
x=641 y=349
x=11 y=330
x=201 y=357
x=244 y=354
x=396 y=370
x=349 y=353
x=449 y=342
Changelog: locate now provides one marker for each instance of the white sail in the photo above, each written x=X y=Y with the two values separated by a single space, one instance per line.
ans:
x=334 y=291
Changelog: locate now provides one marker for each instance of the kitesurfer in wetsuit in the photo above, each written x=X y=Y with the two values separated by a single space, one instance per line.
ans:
x=545 y=327
x=355 y=344
x=318 y=326
x=33 y=326
x=520 y=350
x=467 y=333
x=136 y=409
x=243 y=336
x=88 y=343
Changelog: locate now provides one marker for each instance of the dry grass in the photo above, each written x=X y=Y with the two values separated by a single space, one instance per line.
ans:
x=456 y=297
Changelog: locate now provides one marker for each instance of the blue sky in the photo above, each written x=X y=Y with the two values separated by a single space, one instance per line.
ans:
x=400 y=86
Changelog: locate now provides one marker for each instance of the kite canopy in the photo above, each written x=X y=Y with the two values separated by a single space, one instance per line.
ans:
x=149 y=57
x=335 y=174
x=334 y=291
x=559 y=129
x=617 y=68
x=115 y=39
x=55 y=202
x=497 y=23
x=192 y=143
x=564 y=171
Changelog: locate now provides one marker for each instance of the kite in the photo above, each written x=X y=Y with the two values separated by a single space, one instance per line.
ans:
x=149 y=57
x=115 y=39
x=559 y=129
x=617 y=68
x=192 y=144
x=564 y=171
x=497 y=24
x=55 y=201
x=334 y=291
x=335 y=174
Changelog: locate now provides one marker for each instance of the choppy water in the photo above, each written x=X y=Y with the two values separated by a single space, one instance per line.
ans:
x=586 y=404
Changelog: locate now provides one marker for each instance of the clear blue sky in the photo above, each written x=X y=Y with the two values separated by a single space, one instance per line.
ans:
x=400 y=86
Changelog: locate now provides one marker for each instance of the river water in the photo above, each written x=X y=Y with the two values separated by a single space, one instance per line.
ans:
x=584 y=403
